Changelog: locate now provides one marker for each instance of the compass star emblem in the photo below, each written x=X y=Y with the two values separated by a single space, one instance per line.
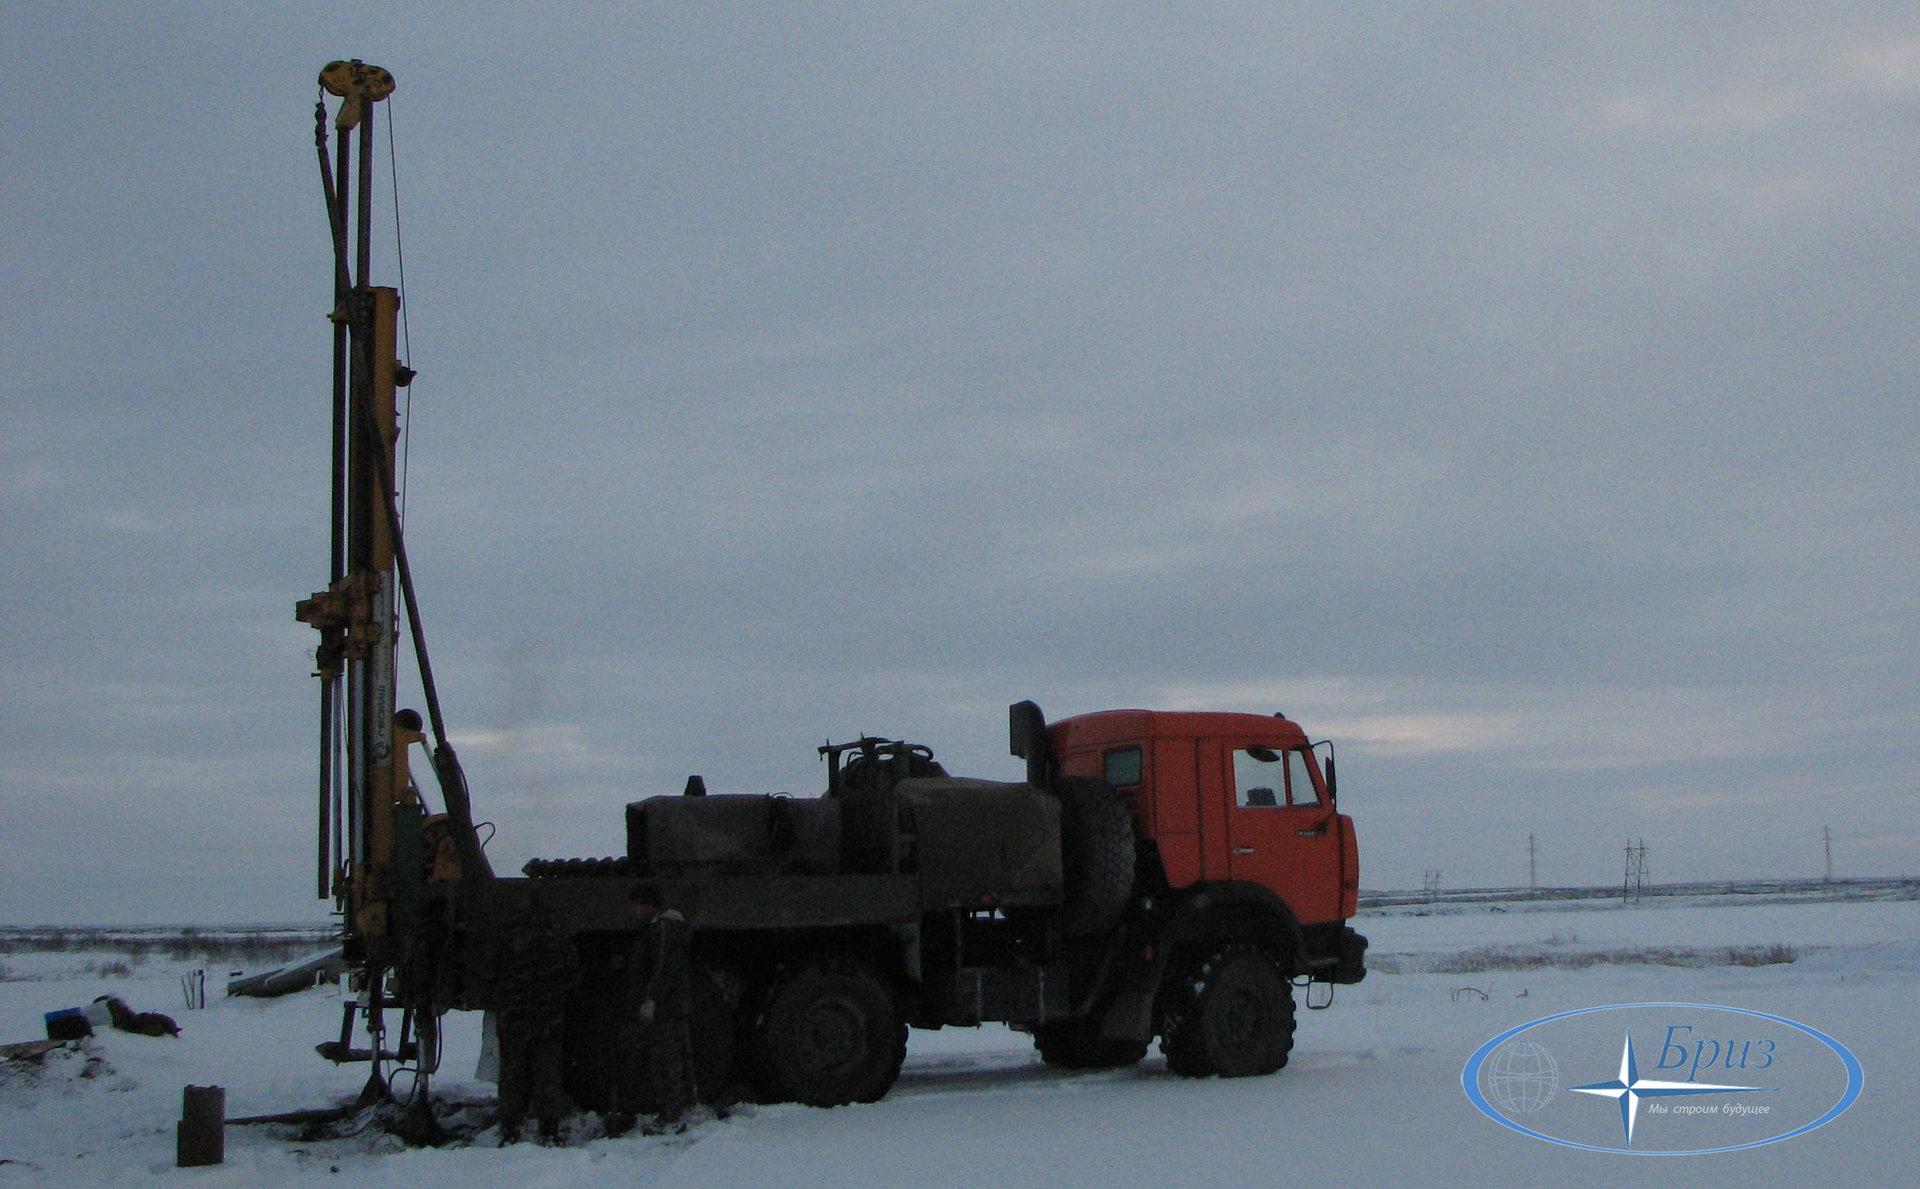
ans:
x=1629 y=1088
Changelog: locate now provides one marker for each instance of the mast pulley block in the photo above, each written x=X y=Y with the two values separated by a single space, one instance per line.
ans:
x=357 y=84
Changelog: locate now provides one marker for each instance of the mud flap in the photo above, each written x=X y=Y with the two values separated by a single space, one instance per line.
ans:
x=1130 y=1017
x=1130 y=1014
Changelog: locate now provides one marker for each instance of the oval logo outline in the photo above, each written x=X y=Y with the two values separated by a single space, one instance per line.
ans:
x=1470 y=1079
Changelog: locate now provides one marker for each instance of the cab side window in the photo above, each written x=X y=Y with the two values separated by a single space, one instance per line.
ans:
x=1122 y=767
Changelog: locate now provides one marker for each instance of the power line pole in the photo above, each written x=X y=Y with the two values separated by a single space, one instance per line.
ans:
x=1826 y=841
x=1635 y=881
x=1533 y=870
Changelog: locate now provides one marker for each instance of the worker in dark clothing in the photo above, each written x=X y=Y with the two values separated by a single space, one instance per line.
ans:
x=535 y=969
x=664 y=1050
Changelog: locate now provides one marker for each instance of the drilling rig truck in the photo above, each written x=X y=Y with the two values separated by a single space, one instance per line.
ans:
x=1154 y=874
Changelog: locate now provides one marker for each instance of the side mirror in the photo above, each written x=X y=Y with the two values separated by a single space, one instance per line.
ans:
x=1333 y=779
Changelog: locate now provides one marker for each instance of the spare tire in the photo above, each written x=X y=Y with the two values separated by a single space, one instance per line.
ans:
x=1097 y=854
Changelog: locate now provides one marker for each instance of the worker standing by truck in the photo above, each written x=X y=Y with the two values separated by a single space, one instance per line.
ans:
x=659 y=972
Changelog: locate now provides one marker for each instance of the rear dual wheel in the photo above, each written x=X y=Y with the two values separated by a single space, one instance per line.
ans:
x=831 y=1034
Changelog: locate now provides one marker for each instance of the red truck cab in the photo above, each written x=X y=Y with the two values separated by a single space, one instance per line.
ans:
x=1224 y=798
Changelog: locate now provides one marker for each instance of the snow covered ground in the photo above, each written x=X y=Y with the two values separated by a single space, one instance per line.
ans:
x=1372 y=1095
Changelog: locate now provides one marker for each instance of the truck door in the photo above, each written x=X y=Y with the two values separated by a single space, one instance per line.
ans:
x=1280 y=828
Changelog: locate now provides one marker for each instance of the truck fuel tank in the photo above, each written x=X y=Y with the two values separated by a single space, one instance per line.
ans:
x=966 y=843
x=980 y=843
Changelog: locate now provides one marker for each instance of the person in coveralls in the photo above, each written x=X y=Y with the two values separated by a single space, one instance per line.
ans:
x=658 y=968
x=535 y=969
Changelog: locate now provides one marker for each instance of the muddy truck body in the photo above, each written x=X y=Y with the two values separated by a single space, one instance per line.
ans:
x=1158 y=874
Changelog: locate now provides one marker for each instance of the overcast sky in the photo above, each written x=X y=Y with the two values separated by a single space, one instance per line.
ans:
x=1522 y=396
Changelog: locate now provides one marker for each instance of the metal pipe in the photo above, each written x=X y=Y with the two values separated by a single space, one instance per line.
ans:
x=364 y=242
x=326 y=784
x=339 y=766
x=361 y=446
x=356 y=768
x=342 y=284
x=333 y=179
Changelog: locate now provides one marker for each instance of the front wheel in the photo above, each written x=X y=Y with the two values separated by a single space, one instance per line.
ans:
x=1230 y=1016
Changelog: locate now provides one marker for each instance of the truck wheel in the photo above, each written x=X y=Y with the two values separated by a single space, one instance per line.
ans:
x=830 y=1035
x=1077 y=1044
x=1096 y=842
x=1233 y=1017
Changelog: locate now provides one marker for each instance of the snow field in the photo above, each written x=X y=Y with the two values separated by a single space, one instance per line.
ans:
x=1371 y=1096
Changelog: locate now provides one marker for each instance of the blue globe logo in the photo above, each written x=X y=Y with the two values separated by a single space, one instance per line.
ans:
x=1522 y=1077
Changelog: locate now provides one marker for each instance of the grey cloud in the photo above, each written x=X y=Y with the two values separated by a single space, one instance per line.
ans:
x=1513 y=378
